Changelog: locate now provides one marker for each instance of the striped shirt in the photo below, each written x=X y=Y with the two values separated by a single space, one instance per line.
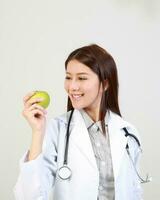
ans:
x=101 y=149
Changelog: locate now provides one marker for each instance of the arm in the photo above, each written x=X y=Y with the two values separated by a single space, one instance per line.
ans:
x=135 y=152
x=37 y=175
x=38 y=166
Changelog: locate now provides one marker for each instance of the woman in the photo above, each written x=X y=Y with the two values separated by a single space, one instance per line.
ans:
x=100 y=166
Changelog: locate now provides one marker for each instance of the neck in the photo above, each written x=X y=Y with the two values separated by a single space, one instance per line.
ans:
x=93 y=113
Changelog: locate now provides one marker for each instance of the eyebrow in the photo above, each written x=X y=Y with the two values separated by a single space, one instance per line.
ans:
x=81 y=73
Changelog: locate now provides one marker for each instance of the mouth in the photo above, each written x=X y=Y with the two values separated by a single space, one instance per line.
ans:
x=76 y=96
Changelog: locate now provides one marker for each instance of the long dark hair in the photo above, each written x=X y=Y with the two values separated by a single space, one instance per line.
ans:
x=103 y=64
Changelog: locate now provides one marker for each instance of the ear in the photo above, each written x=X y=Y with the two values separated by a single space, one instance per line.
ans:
x=106 y=85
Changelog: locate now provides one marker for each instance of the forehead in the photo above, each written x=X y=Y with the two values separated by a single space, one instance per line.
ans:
x=75 y=67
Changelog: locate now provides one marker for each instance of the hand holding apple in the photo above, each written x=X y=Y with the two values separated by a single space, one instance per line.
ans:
x=34 y=109
x=34 y=112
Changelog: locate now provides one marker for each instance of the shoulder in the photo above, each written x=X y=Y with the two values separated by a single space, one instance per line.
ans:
x=132 y=129
x=119 y=122
x=60 y=118
x=55 y=123
x=54 y=127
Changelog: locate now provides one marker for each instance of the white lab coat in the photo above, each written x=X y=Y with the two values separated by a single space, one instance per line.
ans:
x=38 y=176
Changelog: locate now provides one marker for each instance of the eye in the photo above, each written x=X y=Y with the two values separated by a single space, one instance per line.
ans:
x=82 y=78
x=67 y=77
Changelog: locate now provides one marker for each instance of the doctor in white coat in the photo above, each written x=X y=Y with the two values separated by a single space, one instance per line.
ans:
x=92 y=86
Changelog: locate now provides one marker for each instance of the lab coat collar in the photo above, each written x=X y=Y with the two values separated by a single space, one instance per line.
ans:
x=111 y=118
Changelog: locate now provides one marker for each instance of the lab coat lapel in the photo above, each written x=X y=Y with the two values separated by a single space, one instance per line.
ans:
x=79 y=135
x=118 y=140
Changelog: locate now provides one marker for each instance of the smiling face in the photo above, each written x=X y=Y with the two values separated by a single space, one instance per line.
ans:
x=83 y=86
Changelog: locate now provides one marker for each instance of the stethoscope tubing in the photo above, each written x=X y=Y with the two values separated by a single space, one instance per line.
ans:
x=142 y=180
x=67 y=139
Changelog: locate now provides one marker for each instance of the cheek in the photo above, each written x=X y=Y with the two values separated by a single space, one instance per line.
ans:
x=66 y=86
x=92 y=87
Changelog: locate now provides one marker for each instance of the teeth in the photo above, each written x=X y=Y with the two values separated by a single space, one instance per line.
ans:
x=76 y=96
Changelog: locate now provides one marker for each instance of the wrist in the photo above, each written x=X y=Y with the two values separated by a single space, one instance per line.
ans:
x=36 y=145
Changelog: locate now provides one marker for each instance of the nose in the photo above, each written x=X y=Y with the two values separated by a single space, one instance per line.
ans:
x=74 y=85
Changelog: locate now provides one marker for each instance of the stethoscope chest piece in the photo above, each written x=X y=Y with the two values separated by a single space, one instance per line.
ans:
x=64 y=172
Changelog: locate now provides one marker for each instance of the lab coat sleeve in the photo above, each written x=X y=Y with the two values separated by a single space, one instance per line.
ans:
x=36 y=177
x=136 y=149
x=136 y=152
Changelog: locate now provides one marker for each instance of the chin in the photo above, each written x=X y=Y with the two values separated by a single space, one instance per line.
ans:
x=78 y=107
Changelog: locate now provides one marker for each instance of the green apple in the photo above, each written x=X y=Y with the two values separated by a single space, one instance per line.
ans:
x=45 y=96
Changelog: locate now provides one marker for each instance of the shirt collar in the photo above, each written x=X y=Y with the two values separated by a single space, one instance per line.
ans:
x=87 y=119
x=89 y=122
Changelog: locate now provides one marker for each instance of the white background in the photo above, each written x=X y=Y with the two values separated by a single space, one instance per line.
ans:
x=35 y=39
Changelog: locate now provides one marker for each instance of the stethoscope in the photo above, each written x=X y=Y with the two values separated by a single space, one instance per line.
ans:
x=65 y=172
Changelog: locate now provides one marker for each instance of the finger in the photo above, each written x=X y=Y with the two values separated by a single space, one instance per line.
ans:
x=37 y=113
x=36 y=106
x=28 y=114
x=33 y=101
x=28 y=96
